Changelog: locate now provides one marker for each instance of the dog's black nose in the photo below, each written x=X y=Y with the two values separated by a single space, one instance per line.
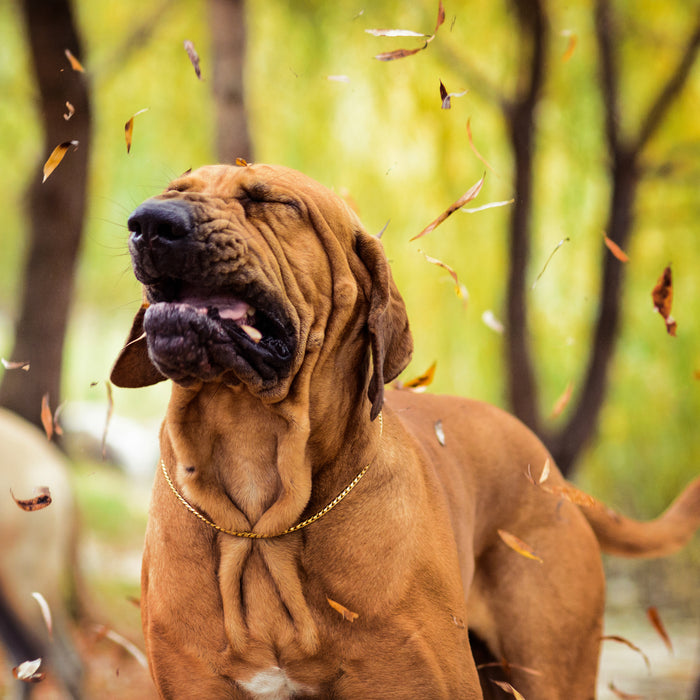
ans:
x=167 y=220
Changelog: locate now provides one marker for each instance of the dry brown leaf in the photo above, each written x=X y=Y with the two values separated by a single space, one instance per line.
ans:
x=129 y=128
x=655 y=619
x=517 y=545
x=563 y=401
x=440 y=432
x=615 y=249
x=12 y=364
x=473 y=147
x=194 y=57
x=57 y=156
x=662 y=295
x=460 y=290
x=626 y=642
x=403 y=53
x=509 y=689
x=446 y=97
x=347 y=614
x=422 y=380
x=40 y=499
x=45 y=612
x=74 y=62
x=46 y=416
x=28 y=671
x=70 y=112
x=470 y=194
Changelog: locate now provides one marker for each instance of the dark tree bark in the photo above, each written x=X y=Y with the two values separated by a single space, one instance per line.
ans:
x=228 y=33
x=55 y=210
x=625 y=154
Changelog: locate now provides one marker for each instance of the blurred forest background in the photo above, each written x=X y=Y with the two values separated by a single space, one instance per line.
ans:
x=570 y=108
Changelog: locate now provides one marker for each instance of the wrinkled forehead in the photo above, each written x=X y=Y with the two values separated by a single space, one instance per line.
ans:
x=266 y=183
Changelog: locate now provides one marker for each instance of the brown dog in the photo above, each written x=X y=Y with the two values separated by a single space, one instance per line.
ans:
x=277 y=319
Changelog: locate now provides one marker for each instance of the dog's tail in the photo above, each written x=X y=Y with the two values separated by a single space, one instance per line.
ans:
x=655 y=538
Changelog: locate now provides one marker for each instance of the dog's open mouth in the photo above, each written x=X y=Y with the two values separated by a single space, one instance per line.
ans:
x=196 y=332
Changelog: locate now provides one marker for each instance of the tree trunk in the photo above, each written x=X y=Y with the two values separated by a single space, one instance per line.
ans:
x=227 y=24
x=55 y=210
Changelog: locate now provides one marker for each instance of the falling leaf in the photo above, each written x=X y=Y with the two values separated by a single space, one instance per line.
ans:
x=421 y=381
x=571 y=46
x=12 y=364
x=46 y=416
x=508 y=689
x=41 y=499
x=655 y=619
x=440 y=432
x=470 y=194
x=545 y=471
x=517 y=545
x=242 y=163
x=551 y=255
x=490 y=205
x=626 y=642
x=105 y=632
x=662 y=295
x=74 y=62
x=57 y=156
x=28 y=671
x=615 y=249
x=474 y=148
x=573 y=495
x=395 y=32
x=460 y=289
x=347 y=614
x=129 y=128
x=624 y=696
x=108 y=418
x=446 y=97
x=45 y=612
x=403 y=53
x=563 y=401
x=489 y=319
x=70 y=112
x=399 y=53
x=194 y=57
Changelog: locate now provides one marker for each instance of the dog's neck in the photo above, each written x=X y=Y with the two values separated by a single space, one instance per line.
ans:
x=249 y=478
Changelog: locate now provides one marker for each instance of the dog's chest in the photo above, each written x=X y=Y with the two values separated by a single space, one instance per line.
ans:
x=274 y=684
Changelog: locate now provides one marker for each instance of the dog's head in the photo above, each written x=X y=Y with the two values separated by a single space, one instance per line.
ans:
x=248 y=272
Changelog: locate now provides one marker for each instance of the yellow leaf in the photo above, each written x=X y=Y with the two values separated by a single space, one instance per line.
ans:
x=347 y=614
x=517 y=545
x=129 y=128
x=57 y=156
x=74 y=62
x=423 y=380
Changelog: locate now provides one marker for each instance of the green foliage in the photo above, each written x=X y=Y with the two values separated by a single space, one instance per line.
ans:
x=382 y=138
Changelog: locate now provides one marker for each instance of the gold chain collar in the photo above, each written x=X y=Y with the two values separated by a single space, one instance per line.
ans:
x=294 y=528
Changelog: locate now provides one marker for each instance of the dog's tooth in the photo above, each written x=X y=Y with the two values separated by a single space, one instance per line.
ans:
x=253 y=333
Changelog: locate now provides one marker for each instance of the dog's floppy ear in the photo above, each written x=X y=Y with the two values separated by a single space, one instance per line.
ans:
x=133 y=367
x=390 y=338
